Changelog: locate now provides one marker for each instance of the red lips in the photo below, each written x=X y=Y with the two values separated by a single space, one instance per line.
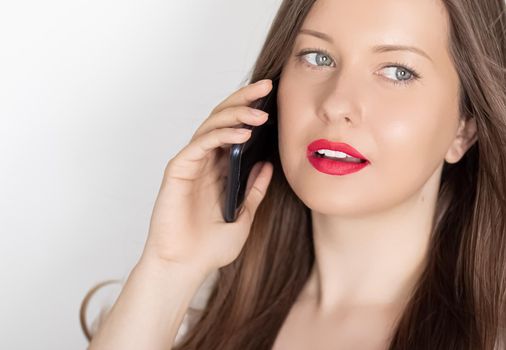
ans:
x=334 y=166
x=334 y=146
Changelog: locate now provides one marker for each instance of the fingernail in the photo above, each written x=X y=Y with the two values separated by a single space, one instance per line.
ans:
x=262 y=82
x=257 y=112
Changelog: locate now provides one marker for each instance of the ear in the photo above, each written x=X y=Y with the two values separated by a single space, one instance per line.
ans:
x=465 y=138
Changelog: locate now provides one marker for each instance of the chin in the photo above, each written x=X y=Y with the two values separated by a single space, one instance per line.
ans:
x=332 y=206
x=341 y=199
x=337 y=201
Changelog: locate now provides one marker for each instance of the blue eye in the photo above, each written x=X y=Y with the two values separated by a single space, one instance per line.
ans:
x=400 y=73
x=322 y=60
x=320 y=56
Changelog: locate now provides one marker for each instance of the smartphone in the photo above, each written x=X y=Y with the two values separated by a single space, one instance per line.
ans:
x=258 y=147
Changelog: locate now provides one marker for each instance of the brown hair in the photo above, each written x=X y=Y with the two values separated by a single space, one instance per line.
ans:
x=459 y=300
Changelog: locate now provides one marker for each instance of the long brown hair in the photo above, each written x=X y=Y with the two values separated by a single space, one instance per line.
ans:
x=459 y=302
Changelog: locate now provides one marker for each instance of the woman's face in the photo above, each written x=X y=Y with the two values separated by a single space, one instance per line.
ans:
x=398 y=108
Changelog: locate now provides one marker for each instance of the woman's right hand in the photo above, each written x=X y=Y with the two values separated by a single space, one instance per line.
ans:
x=187 y=224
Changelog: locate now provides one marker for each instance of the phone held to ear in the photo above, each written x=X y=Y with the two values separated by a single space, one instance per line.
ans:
x=245 y=155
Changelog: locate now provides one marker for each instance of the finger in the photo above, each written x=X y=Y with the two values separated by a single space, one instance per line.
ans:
x=187 y=164
x=258 y=183
x=232 y=116
x=245 y=95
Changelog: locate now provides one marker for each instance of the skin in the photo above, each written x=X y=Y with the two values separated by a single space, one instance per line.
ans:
x=371 y=228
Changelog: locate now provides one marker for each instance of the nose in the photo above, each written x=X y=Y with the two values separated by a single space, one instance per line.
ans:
x=339 y=100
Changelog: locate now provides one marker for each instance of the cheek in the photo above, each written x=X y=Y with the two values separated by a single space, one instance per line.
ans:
x=414 y=135
x=293 y=126
x=411 y=142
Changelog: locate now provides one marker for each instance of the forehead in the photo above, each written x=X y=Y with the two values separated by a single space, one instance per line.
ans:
x=365 y=23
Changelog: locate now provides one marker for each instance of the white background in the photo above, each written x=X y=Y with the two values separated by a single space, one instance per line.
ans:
x=95 y=98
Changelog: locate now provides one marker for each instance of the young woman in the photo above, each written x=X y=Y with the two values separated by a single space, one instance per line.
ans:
x=400 y=245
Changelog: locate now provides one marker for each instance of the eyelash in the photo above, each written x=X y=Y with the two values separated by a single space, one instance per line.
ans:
x=406 y=67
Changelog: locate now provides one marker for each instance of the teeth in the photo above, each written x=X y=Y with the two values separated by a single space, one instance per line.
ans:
x=336 y=154
x=333 y=154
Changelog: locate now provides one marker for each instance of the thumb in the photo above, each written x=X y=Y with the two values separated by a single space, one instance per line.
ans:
x=258 y=181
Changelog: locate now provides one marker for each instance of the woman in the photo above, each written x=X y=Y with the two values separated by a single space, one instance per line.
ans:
x=400 y=246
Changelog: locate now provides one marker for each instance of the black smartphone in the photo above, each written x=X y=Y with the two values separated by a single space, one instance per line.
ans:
x=258 y=147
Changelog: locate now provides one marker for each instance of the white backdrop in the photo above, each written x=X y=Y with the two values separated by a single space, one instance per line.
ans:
x=95 y=97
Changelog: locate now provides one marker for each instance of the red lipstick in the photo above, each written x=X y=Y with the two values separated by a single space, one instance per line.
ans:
x=334 y=166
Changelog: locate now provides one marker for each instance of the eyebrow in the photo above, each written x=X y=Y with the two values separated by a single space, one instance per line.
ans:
x=376 y=49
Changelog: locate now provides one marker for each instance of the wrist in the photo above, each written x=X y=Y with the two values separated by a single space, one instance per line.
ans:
x=162 y=266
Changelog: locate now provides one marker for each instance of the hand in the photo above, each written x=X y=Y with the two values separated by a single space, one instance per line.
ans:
x=187 y=223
